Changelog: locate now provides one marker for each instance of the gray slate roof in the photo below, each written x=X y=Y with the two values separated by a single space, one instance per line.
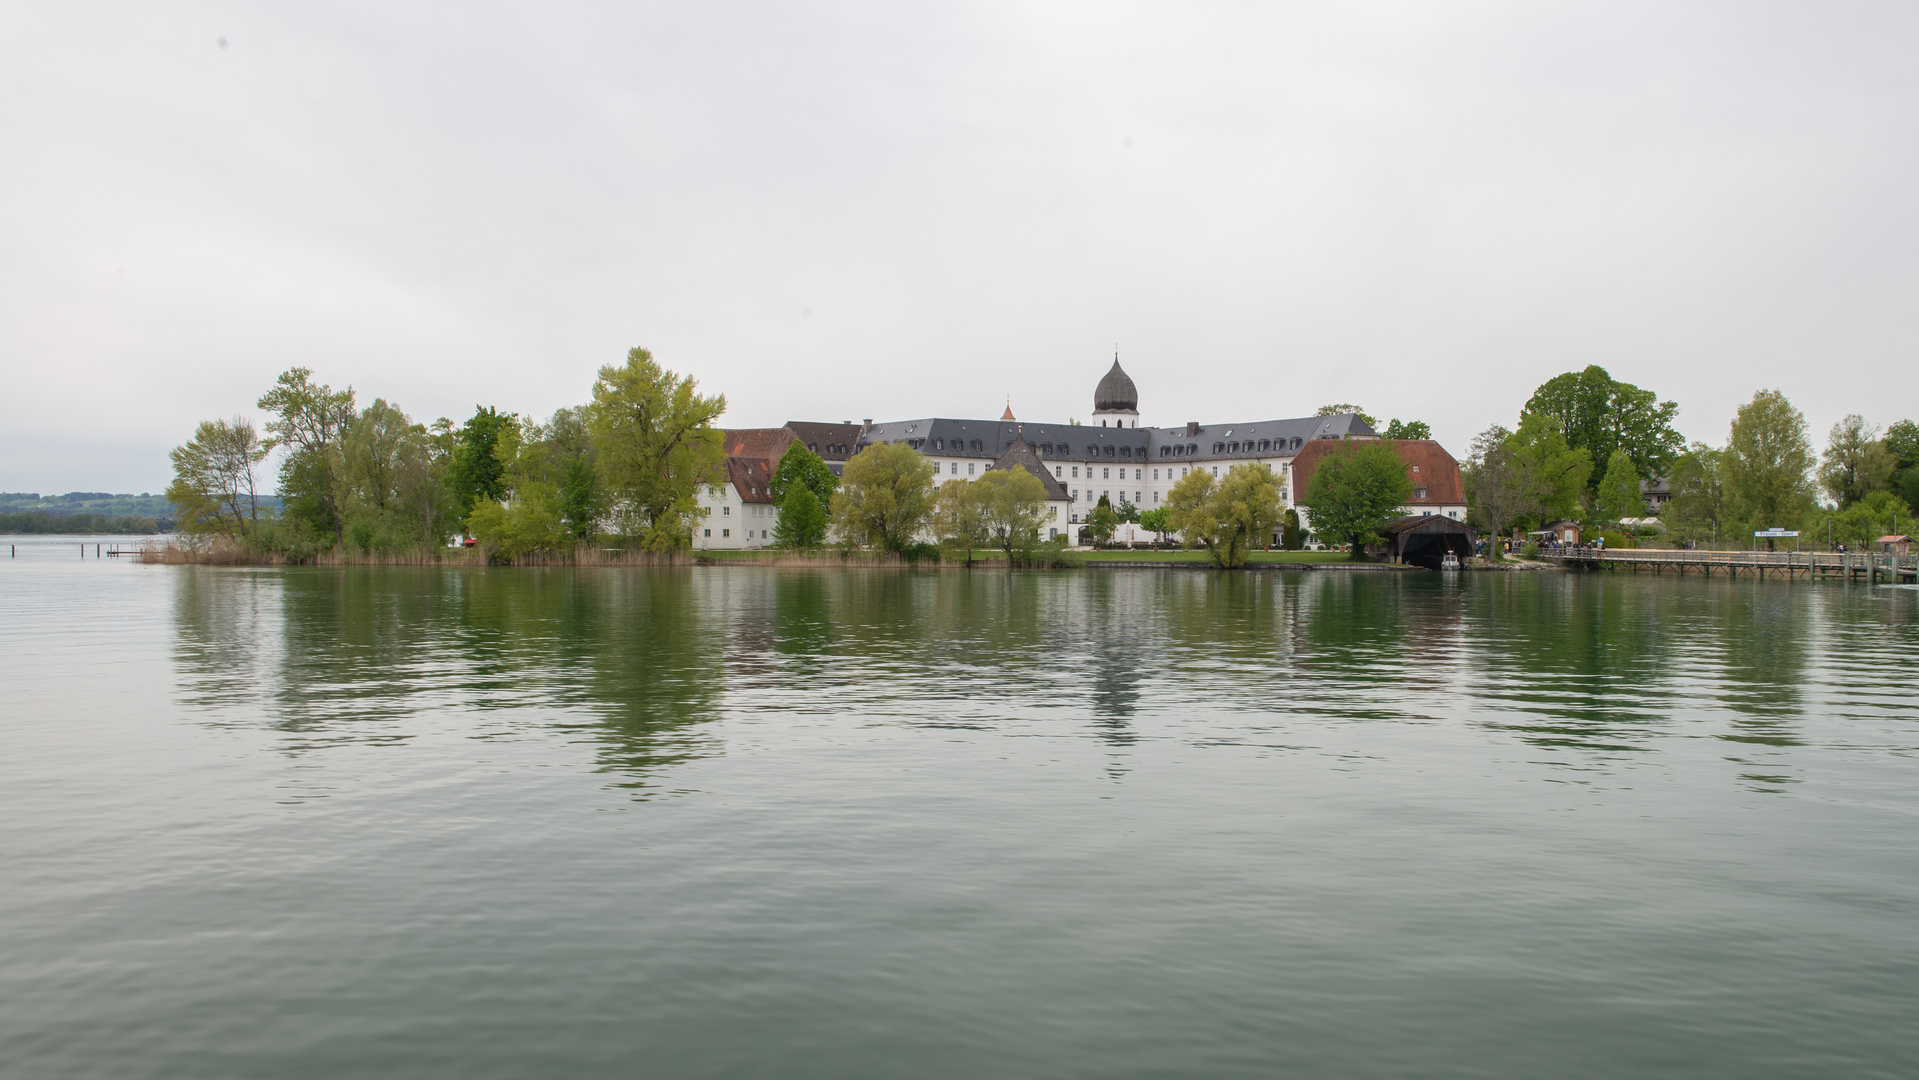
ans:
x=1022 y=455
x=1075 y=442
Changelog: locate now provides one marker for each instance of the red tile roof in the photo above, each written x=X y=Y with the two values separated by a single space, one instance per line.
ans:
x=1437 y=471
x=768 y=443
x=752 y=477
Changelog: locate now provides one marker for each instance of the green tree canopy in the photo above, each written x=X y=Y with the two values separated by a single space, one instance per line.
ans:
x=1599 y=414
x=1229 y=515
x=1856 y=462
x=655 y=445
x=1875 y=515
x=885 y=497
x=1014 y=502
x=800 y=466
x=1768 y=464
x=475 y=471
x=213 y=487
x=395 y=493
x=1357 y=489
x=1697 y=509
x=1617 y=496
x=309 y=420
x=802 y=521
x=959 y=517
x=1155 y=520
x=1103 y=521
x=1902 y=442
x=1407 y=429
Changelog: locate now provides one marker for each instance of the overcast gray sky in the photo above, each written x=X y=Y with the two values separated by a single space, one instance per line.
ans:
x=896 y=210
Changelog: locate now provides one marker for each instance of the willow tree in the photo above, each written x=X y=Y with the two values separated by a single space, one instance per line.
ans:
x=1228 y=516
x=655 y=444
x=885 y=497
x=213 y=480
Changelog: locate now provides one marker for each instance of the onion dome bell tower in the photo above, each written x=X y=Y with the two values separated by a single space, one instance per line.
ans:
x=1116 y=401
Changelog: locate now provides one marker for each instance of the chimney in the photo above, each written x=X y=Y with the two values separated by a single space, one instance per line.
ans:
x=1192 y=428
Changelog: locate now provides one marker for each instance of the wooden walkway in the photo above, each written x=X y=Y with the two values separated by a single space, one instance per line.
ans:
x=1851 y=566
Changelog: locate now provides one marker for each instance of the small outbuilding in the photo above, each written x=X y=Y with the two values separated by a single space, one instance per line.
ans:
x=1895 y=544
x=1558 y=532
x=1426 y=539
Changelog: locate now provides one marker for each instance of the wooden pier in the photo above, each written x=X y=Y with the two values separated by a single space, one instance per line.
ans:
x=1865 y=566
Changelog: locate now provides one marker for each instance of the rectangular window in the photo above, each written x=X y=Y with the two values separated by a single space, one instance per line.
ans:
x=1106 y=474
x=1076 y=472
x=1137 y=472
x=1215 y=470
x=955 y=468
x=726 y=532
x=1155 y=474
x=969 y=468
x=1155 y=496
x=1075 y=494
x=726 y=511
x=709 y=532
x=1059 y=473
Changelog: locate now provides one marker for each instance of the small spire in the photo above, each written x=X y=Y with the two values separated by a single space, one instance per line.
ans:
x=1008 y=414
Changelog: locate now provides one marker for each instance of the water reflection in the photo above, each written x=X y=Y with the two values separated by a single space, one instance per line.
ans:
x=643 y=666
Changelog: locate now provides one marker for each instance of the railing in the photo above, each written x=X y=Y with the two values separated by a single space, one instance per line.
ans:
x=1870 y=564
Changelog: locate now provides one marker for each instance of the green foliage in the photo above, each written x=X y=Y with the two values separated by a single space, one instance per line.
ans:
x=1598 y=414
x=1232 y=514
x=1126 y=511
x=1356 y=490
x=475 y=472
x=1877 y=514
x=1341 y=410
x=530 y=522
x=885 y=498
x=213 y=487
x=1102 y=522
x=309 y=421
x=1617 y=496
x=800 y=466
x=959 y=517
x=394 y=495
x=1902 y=442
x=1697 y=510
x=1768 y=463
x=1410 y=429
x=41 y=522
x=1291 y=536
x=1857 y=462
x=1155 y=520
x=1014 y=505
x=655 y=444
x=802 y=521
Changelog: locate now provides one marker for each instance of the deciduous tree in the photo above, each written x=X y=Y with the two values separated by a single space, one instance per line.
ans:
x=885 y=497
x=1408 y=429
x=800 y=466
x=1617 y=496
x=1600 y=414
x=213 y=479
x=1357 y=488
x=655 y=444
x=309 y=419
x=802 y=521
x=1768 y=463
x=1230 y=515
x=1014 y=502
x=1856 y=462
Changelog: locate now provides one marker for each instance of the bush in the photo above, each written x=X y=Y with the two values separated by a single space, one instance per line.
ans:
x=1530 y=549
x=916 y=553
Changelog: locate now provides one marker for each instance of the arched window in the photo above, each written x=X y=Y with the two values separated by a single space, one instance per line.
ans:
x=939 y=444
x=1296 y=442
x=1219 y=448
x=1125 y=451
x=1165 y=450
x=976 y=446
x=1264 y=445
x=1192 y=448
x=1092 y=451
x=1109 y=451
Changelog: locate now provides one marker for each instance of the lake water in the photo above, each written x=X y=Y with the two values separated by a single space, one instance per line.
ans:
x=1111 y=823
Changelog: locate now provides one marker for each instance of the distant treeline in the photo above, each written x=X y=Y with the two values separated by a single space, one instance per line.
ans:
x=39 y=521
x=98 y=503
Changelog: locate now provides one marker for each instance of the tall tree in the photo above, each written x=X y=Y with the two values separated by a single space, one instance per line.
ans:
x=309 y=419
x=213 y=478
x=1768 y=463
x=656 y=444
x=802 y=520
x=1902 y=442
x=959 y=517
x=1407 y=429
x=476 y=471
x=1014 y=502
x=1617 y=497
x=1500 y=488
x=1228 y=515
x=395 y=492
x=1697 y=510
x=885 y=497
x=1356 y=490
x=1856 y=462
x=1600 y=414
x=800 y=466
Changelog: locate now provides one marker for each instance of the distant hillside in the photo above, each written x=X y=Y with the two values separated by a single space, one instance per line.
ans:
x=92 y=512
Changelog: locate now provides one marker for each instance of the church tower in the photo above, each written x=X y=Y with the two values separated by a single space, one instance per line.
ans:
x=1116 y=401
